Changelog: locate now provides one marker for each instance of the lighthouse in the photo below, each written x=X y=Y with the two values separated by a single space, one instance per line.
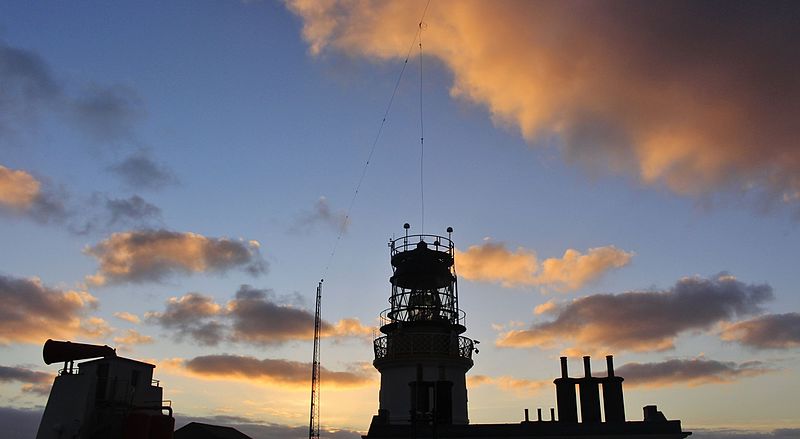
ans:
x=421 y=355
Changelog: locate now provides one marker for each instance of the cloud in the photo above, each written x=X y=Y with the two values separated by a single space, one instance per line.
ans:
x=253 y=316
x=152 y=255
x=692 y=372
x=32 y=312
x=21 y=194
x=18 y=189
x=770 y=331
x=28 y=84
x=95 y=327
x=33 y=380
x=258 y=318
x=133 y=337
x=31 y=89
x=111 y=213
x=493 y=262
x=679 y=95
x=270 y=371
x=140 y=171
x=107 y=112
x=643 y=320
x=323 y=214
x=126 y=316
x=191 y=315
x=518 y=385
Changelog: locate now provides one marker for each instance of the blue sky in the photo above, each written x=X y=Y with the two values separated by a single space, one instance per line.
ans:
x=248 y=134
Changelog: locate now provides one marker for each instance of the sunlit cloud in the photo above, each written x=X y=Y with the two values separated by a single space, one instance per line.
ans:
x=626 y=89
x=518 y=385
x=128 y=317
x=689 y=372
x=272 y=371
x=642 y=320
x=493 y=262
x=18 y=189
x=22 y=194
x=32 y=312
x=96 y=328
x=770 y=331
x=152 y=255
x=133 y=337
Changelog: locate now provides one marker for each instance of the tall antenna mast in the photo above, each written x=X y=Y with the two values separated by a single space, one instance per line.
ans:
x=313 y=423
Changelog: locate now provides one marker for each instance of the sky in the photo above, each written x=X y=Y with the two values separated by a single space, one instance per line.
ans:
x=621 y=178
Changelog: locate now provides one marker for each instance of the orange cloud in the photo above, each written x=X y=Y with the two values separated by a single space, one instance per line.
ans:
x=150 y=255
x=518 y=385
x=272 y=371
x=32 y=312
x=126 y=316
x=18 y=189
x=133 y=337
x=494 y=263
x=626 y=88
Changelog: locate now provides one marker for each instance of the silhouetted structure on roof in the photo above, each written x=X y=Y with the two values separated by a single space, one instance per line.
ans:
x=110 y=397
x=198 y=430
x=423 y=360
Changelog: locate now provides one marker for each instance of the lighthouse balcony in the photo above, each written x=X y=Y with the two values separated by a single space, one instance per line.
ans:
x=399 y=346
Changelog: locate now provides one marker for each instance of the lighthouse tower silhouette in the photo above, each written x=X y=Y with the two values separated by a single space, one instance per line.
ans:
x=421 y=355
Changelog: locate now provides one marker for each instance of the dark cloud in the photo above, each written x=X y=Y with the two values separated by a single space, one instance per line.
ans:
x=280 y=372
x=258 y=318
x=322 y=214
x=770 y=331
x=152 y=255
x=20 y=423
x=140 y=171
x=253 y=316
x=32 y=312
x=698 y=96
x=113 y=213
x=34 y=381
x=30 y=89
x=644 y=320
x=260 y=430
x=192 y=315
x=107 y=113
x=691 y=372
x=28 y=84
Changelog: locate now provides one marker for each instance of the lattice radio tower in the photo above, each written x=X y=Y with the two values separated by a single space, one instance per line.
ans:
x=313 y=424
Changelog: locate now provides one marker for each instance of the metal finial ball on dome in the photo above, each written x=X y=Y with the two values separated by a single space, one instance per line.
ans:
x=449 y=230
x=406 y=226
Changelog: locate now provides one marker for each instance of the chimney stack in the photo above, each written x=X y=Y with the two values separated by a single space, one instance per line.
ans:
x=565 y=396
x=590 y=394
x=612 y=394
